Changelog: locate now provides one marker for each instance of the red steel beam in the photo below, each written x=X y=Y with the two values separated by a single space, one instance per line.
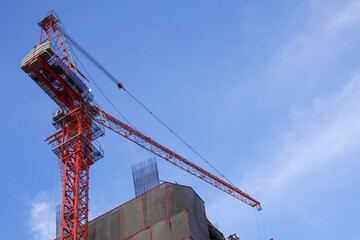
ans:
x=163 y=152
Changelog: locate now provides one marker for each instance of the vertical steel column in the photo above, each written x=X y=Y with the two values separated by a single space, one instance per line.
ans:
x=76 y=156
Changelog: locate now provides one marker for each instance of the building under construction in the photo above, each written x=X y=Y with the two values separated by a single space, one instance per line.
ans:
x=166 y=212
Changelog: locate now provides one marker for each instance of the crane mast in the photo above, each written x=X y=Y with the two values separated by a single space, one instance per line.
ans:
x=50 y=66
x=80 y=122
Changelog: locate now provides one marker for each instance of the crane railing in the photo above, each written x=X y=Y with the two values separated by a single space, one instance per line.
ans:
x=165 y=153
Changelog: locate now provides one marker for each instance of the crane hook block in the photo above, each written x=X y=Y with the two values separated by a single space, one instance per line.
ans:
x=120 y=86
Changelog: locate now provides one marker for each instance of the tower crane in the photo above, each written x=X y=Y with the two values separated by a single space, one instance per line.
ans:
x=80 y=122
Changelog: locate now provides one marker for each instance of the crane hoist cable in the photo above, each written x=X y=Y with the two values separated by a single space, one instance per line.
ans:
x=175 y=134
x=257 y=224
x=107 y=73
x=104 y=95
x=263 y=225
x=120 y=86
x=88 y=74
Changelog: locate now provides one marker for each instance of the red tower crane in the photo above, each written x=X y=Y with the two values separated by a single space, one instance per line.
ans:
x=80 y=122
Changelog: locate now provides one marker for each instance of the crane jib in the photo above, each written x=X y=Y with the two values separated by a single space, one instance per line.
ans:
x=163 y=152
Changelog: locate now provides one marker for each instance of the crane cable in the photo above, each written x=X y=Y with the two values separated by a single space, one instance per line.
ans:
x=50 y=198
x=102 y=68
x=97 y=86
x=198 y=154
x=257 y=224
x=262 y=221
x=120 y=86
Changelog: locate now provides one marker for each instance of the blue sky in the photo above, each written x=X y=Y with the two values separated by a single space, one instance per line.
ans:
x=268 y=92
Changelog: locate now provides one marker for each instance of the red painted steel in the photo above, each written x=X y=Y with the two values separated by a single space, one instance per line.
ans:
x=188 y=224
x=76 y=156
x=163 y=152
x=74 y=141
x=50 y=27
x=233 y=237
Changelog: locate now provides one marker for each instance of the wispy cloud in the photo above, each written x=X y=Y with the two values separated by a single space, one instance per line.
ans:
x=42 y=218
x=322 y=39
x=346 y=16
x=327 y=130
x=323 y=133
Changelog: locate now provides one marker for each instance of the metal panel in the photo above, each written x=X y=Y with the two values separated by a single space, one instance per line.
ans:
x=131 y=218
x=161 y=230
x=198 y=212
x=179 y=226
x=92 y=230
x=197 y=231
x=71 y=74
x=143 y=235
x=148 y=213
x=103 y=228
x=179 y=198
x=114 y=224
x=154 y=206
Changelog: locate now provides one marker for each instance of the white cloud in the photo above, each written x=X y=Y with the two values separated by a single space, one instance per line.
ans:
x=324 y=134
x=309 y=53
x=327 y=131
x=42 y=218
x=346 y=16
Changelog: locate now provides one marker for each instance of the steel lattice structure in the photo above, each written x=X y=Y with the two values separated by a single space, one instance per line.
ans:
x=52 y=68
x=170 y=156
